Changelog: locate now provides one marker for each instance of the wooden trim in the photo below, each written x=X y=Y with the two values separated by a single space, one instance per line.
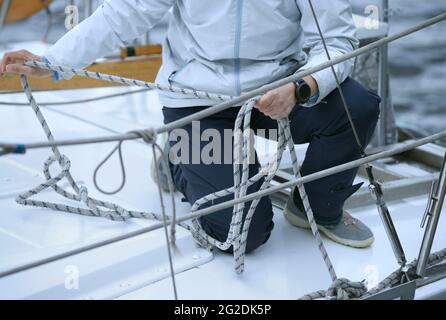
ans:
x=22 y=9
x=144 y=68
x=143 y=50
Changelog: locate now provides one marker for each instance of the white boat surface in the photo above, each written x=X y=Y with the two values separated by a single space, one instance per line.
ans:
x=288 y=266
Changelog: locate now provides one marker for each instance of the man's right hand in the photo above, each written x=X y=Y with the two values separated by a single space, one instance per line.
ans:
x=12 y=62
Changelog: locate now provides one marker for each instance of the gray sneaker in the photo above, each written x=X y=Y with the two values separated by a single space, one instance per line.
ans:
x=157 y=164
x=349 y=231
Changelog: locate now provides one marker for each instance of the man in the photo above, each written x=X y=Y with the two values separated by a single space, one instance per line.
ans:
x=230 y=47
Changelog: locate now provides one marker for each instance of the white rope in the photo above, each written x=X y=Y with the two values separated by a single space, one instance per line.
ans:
x=128 y=81
x=238 y=233
x=95 y=207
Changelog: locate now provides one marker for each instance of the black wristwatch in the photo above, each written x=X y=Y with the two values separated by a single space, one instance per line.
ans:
x=303 y=91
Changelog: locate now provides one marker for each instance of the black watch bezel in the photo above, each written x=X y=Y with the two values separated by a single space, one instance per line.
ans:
x=303 y=91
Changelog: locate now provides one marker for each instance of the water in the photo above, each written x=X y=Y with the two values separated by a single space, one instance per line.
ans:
x=417 y=62
x=418 y=66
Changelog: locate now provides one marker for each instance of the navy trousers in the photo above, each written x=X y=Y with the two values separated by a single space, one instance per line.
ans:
x=331 y=142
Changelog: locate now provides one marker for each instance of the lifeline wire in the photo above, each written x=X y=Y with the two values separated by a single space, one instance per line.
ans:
x=80 y=101
x=21 y=148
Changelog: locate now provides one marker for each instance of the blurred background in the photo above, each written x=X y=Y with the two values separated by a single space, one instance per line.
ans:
x=416 y=65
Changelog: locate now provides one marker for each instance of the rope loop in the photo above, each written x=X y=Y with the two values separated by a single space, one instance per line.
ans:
x=83 y=194
x=117 y=148
x=149 y=136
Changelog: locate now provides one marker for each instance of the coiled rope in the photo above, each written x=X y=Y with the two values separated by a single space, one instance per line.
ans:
x=239 y=229
x=96 y=208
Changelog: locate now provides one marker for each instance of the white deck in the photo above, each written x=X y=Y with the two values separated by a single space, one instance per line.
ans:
x=288 y=266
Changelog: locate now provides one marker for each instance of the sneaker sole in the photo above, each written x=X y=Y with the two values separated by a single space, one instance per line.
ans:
x=302 y=223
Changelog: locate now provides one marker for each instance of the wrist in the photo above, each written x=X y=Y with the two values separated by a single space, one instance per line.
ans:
x=313 y=85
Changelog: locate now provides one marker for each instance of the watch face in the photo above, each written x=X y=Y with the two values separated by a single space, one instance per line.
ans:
x=304 y=92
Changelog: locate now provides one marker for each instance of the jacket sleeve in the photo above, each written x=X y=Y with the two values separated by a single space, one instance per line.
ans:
x=112 y=24
x=336 y=22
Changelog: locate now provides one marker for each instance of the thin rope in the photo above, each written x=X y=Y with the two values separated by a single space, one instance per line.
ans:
x=163 y=210
x=341 y=288
x=338 y=83
x=344 y=288
x=80 y=101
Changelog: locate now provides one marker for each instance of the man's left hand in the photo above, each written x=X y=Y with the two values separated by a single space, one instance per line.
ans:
x=278 y=103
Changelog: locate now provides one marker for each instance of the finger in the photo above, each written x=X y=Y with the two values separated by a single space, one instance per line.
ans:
x=265 y=102
x=276 y=116
x=19 y=69
x=16 y=57
x=280 y=114
x=269 y=109
x=25 y=55
x=11 y=57
x=5 y=60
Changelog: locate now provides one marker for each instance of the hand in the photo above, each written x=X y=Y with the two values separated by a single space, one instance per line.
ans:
x=278 y=103
x=12 y=62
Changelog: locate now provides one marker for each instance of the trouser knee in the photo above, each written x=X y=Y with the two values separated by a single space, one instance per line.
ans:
x=217 y=225
x=364 y=106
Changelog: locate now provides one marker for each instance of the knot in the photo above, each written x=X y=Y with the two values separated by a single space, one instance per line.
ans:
x=344 y=289
x=64 y=163
x=83 y=194
x=147 y=135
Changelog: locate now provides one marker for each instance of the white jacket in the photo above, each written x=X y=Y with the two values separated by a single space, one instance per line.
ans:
x=219 y=46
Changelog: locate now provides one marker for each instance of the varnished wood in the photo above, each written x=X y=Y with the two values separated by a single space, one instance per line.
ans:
x=22 y=9
x=144 y=50
x=144 y=68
